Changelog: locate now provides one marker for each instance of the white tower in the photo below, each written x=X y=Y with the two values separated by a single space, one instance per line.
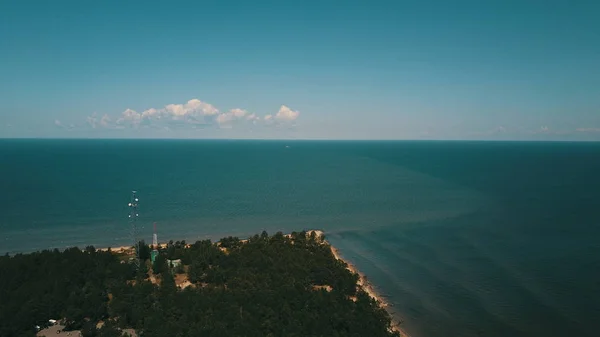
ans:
x=154 y=252
x=154 y=238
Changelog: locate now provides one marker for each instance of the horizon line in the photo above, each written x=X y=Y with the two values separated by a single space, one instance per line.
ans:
x=310 y=139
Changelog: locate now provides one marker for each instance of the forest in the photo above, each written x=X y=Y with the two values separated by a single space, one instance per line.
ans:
x=268 y=285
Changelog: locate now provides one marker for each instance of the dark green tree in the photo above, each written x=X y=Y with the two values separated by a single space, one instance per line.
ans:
x=89 y=329
x=268 y=286
x=144 y=250
x=109 y=329
x=160 y=264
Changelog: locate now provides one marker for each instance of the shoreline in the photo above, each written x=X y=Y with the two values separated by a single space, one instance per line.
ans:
x=363 y=283
x=125 y=249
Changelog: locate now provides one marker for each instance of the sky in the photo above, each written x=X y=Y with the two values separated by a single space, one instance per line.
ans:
x=481 y=70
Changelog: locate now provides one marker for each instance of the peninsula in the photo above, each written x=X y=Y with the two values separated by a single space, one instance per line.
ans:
x=267 y=285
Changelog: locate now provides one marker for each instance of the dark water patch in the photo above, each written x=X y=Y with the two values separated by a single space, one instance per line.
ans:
x=487 y=285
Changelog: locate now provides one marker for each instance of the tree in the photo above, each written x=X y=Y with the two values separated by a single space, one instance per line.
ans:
x=230 y=242
x=144 y=251
x=89 y=329
x=167 y=289
x=160 y=264
x=142 y=272
x=71 y=284
x=263 y=287
x=196 y=271
x=109 y=329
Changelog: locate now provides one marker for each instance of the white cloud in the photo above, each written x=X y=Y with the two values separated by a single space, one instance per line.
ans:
x=269 y=120
x=131 y=115
x=194 y=114
x=239 y=113
x=176 y=110
x=151 y=113
x=59 y=124
x=193 y=107
x=253 y=118
x=544 y=128
x=92 y=120
x=286 y=114
x=105 y=120
x=205 y=108
x=225 y=118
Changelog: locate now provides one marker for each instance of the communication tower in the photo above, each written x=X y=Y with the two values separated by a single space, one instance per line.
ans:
x=133 y=215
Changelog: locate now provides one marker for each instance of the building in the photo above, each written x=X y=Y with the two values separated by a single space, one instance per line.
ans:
x=174 y=263
x=153 y=255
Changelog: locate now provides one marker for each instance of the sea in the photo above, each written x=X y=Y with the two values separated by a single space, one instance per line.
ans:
x=461 y=238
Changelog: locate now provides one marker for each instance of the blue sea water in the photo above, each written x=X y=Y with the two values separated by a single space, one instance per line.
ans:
x=462 y=238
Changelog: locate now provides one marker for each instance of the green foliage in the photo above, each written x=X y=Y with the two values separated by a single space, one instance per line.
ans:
x=144 y=251
x=180 y=269
x=160 y=264
x=265 y=287
x=142 y=272
x=175 y=250
x=109 y=329
x=51 y=284
x=230 y=242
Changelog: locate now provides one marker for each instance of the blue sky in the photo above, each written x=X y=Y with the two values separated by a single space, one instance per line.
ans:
x=301 y=69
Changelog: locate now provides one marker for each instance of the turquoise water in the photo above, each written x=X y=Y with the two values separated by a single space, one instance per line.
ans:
x=463 y=238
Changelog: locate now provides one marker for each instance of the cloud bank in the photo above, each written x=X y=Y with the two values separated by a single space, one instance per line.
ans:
x=192 y=114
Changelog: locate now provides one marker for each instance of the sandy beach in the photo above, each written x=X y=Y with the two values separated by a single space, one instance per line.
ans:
x=121 y=249
x=126 y=249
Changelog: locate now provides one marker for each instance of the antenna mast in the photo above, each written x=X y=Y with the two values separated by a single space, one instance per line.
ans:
x=133 y=215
